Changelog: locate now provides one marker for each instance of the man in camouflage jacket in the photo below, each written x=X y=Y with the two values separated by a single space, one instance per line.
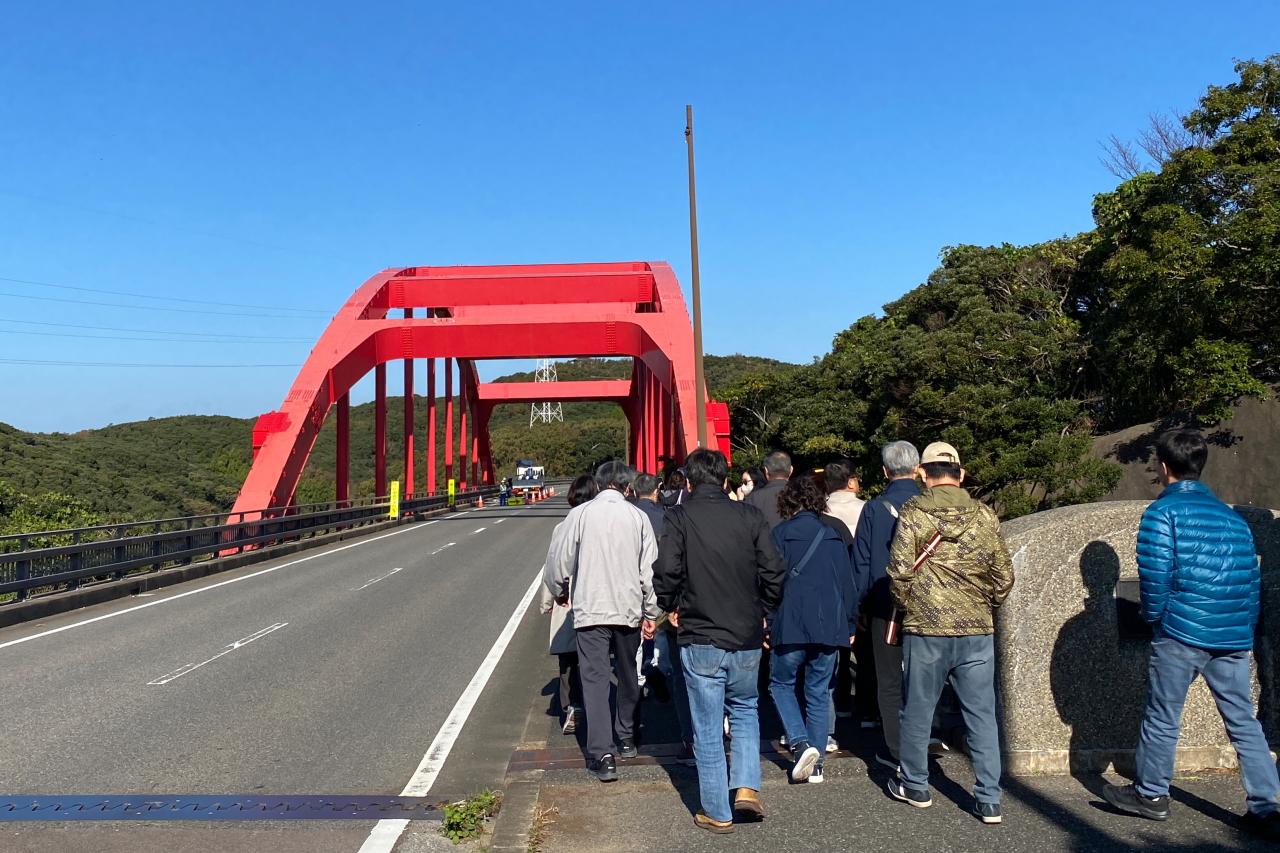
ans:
x=948 y=607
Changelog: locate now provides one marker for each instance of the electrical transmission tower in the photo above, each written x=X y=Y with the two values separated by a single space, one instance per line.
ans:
x=545 y=413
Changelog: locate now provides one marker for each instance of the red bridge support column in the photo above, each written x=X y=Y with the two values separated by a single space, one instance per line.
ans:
x=380 y=431
x=343 y=465
x=448 y=419
x=464 y=445
x=431 y=426
x=407 y=487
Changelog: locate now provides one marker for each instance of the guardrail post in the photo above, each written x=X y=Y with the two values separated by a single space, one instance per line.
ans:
x=77 y=560
x=188 y=544
x=118 y=555
x=24 y=569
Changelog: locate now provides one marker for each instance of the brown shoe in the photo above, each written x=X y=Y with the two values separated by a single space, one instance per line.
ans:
x=721 y=827
x=747 y=807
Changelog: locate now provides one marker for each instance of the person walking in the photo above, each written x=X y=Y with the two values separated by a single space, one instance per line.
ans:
x=949 y=570
x=871 y=539
x=607 y=553
x=718 y=573
x=1200 y=589
x=564 y=642
x=818 y=616
x=764 y=497
x=840 y=480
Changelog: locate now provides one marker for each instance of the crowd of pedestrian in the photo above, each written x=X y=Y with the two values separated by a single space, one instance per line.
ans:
x=720 y=592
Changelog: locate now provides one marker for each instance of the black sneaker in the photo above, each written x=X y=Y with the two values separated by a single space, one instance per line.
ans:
x=1127 y=799
x=627 y=748
x=685 y=755
x=884 y=759
x=606 y=769
x=1265 y=826
x=987 y=812
x=806 y=758
x=910 y=796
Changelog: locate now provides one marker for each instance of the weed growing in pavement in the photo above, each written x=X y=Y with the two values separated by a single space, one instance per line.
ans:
x=543 y=818
x=465 y=818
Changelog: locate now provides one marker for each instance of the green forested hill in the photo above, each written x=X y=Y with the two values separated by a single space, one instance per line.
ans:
x=195 y=464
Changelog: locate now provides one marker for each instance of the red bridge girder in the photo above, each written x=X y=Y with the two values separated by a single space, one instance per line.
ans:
x=631 y=309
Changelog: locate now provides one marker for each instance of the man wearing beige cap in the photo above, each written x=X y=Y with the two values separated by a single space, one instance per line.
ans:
x=948 y=570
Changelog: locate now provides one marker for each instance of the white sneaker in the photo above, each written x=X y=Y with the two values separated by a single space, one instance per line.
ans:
x=803 y=768
x=832 y=745
x=727 y=733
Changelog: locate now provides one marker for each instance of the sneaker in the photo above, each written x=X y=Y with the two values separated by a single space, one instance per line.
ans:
x=782 y=742
x=627 y=748
x=1262 y=825
x=727 y=732
x=1127 y=799
x=815 y=778
x=721 y=827
x=884 y=759
x=606 y=769
x=685 y=755
x=937 y=746
x=987 y=812
x=570 y=724
x=806 y=758
x=832 y=745
x=910 y=796
x=747 y=807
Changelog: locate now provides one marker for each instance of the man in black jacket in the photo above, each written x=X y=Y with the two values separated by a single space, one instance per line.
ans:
x=871 y=540
x=717 y=574
x=777 y=470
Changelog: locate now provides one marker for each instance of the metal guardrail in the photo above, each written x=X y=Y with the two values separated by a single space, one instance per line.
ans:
x=56 y=560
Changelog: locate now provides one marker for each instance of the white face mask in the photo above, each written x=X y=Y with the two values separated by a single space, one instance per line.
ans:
x=747 y=486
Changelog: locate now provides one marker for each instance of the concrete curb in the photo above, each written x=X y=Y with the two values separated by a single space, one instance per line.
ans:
x=63 y=602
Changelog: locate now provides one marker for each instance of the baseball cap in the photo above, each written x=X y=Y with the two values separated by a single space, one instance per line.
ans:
x=940 y=451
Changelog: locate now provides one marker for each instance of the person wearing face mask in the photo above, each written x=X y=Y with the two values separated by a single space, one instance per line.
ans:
x=750 y=479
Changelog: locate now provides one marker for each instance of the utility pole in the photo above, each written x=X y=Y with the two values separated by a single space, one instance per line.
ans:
x=700 y=390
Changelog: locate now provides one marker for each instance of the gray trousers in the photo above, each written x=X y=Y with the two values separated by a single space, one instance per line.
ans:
x=888 y=684
x=594 y=645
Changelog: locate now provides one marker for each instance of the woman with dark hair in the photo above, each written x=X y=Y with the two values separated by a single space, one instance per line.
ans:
x=564 y=643
x=751 y=478
x=677 y=489
x=818 y=616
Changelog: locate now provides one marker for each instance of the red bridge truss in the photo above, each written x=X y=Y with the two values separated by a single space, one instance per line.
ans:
x=465 y=314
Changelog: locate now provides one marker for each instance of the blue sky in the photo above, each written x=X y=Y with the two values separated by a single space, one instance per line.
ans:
x=259 y=154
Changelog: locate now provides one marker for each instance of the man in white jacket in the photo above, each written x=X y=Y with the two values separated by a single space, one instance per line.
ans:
x=607 y=550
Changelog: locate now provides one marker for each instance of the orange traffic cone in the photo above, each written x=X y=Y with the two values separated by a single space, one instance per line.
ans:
x=480 y=502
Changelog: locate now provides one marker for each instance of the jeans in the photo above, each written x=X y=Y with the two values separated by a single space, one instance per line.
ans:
x=670 y=666
x=722 y=681
x=594 y=645
x=818 y=665
x=1174 y=665
x=970 y=663
x=888 y=683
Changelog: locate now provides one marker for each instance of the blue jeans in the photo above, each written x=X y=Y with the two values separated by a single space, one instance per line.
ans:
x=721 y=681
x=818 y=663
x=1173 y=667
x=970 y=664
x=669 y=665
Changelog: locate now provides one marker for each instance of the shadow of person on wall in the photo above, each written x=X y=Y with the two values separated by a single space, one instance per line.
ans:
x=1266 y=539
x=1096 y=676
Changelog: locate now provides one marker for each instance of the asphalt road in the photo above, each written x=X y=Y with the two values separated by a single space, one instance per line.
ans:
x=355 y=655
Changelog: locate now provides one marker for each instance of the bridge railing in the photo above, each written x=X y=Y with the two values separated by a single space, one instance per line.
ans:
x=57 y=560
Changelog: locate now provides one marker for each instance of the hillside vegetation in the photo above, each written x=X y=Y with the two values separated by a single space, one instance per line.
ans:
x=195 y=464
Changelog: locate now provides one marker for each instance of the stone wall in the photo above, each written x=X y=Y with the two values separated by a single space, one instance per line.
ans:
x=1071 y=687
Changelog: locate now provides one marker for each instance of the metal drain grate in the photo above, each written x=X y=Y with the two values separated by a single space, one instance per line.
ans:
x=214 y=807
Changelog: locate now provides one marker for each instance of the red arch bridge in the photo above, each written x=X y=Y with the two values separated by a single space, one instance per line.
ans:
x=453 y=317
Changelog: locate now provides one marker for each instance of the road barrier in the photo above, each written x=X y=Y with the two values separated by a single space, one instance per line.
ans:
x=58 y=560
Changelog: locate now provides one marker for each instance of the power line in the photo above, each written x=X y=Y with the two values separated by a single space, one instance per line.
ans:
x=32 y=362
x=83 y=336
x=160 y=298
x=155 y=331
x=153 y=307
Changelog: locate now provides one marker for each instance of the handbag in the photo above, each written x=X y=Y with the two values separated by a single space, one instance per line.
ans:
x=893 y=630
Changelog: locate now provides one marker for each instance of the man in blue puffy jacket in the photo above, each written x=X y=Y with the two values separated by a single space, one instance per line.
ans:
x=1201 y=589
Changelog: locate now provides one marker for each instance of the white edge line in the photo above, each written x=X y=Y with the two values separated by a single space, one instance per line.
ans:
x=166 y=600
x=387 y=832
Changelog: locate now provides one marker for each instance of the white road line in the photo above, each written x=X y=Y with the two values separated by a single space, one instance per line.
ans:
x=112 y=615
x=479 y=530
x=500 y=520
x=191 y=667
x=387 y=832
x=443 y=548
x=372 y=581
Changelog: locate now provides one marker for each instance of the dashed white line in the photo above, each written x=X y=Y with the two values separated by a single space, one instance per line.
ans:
x=442 y=548
x=240 y=643
x=386 y=832
x=500 y=520
x=372 y=581
x=479 y=530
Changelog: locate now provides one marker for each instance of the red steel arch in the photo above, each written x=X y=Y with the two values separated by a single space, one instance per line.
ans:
x=469 y=313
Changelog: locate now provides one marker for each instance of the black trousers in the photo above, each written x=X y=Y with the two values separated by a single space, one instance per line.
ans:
x=594 y=645
x=570 y=683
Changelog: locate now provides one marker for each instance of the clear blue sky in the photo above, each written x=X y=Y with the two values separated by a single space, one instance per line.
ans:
x=279 y=153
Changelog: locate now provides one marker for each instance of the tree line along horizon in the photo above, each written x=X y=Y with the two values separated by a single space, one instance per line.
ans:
x=1017 y=355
